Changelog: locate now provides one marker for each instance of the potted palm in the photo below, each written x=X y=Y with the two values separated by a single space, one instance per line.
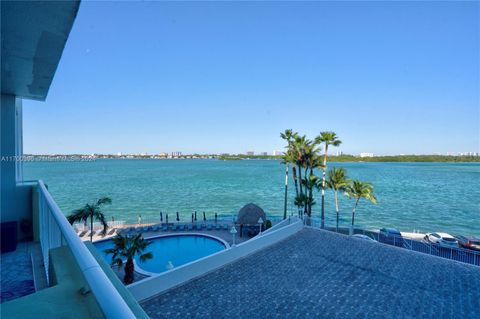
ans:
x=125 y=249
x=92 y=210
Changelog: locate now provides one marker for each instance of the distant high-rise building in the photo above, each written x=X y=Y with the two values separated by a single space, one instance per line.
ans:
x=250 y=153
x=278 y=153
x=264 y=153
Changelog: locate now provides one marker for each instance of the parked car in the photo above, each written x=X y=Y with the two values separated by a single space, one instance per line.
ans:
x=442 y=239
x=390 y=236
x=363 y=237
x=468 y=242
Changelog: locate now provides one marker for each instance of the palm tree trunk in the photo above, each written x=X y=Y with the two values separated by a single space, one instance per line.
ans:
x=307 y=186
x=310 y=194
x=286 y=192
x=91 y=227
x=294 y=173
x=129 y=268
x=324 y=177
x=300 y=178
x=353 y=215
x=336 y=207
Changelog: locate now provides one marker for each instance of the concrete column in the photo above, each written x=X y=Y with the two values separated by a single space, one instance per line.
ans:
x=15 y=198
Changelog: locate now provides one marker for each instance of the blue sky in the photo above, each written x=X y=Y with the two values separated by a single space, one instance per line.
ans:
x=388 y=77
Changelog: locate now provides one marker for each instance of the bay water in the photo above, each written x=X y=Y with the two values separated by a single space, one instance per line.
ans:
x=411 y=196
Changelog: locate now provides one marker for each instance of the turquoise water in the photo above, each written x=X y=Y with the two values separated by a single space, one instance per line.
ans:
x=178 y=249
x=421 y=196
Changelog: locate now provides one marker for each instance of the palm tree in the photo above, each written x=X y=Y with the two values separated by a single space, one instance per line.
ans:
x=312 y=160
x=329 y=138
x=301 y=146
x=91 y=211
x=126 y=248
x=287 y=159
x=337 y=181
x=309 y=183
x=358 y=190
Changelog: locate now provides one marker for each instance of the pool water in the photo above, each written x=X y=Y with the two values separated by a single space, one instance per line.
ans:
x=178 y=249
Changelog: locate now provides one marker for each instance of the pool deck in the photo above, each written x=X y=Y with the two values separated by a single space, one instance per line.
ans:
x=222 y=234
x=317 y=273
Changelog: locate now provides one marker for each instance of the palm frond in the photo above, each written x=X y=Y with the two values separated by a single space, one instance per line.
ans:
x=146 y=256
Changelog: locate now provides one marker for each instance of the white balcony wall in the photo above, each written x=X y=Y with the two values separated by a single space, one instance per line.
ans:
x=15 y=198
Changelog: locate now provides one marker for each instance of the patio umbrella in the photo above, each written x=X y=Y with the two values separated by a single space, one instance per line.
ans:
x=178 y=217
x=161 y=217
x=216 y=218
x=204 y=217
x=166 y=218
x=192 y=218
x=195 y=215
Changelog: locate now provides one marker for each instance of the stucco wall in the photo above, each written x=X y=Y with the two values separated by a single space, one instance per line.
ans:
x=15 y=197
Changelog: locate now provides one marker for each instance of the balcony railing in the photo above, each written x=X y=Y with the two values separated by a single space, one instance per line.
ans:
x=55 y=231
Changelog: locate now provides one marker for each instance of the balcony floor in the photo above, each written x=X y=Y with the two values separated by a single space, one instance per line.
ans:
x=16 y=272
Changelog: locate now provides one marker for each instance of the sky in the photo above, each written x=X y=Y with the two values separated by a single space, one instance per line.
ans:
x=203 y=77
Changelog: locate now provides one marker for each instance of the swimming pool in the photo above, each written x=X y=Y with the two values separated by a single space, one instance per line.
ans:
x=179 y=249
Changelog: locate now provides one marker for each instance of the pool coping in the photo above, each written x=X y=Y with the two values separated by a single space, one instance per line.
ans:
x=141 y=271
x=151 y=274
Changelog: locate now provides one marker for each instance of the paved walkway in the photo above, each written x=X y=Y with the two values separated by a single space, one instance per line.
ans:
x=319 y=274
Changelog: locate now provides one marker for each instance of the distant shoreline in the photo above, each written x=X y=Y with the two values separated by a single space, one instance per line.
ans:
x=340 y=158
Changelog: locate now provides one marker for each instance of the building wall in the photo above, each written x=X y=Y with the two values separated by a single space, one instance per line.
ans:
x=15 y=196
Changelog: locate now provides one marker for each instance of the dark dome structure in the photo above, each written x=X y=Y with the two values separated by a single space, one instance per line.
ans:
x=250 y=214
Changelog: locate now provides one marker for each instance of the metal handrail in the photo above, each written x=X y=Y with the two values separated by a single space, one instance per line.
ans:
x=107 y=296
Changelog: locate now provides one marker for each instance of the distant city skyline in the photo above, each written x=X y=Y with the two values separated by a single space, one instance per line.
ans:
x=214 y=78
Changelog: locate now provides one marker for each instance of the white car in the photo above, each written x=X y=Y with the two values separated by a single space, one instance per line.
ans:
x=443 y=239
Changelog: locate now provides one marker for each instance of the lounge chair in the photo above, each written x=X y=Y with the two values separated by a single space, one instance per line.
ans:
x=181 y=227
x=83 y=233
x=218 y=227
x=112 y=231
x=165 y=227
x=225 y=226
x=209 y=227
x=190 y=227
x=175 y=227
x=156 y=228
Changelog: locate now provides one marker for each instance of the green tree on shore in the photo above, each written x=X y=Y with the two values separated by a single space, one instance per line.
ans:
x=126 y=248
x=338 y=182
x=91 y=211
x=358 y=190
x=328 y=138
